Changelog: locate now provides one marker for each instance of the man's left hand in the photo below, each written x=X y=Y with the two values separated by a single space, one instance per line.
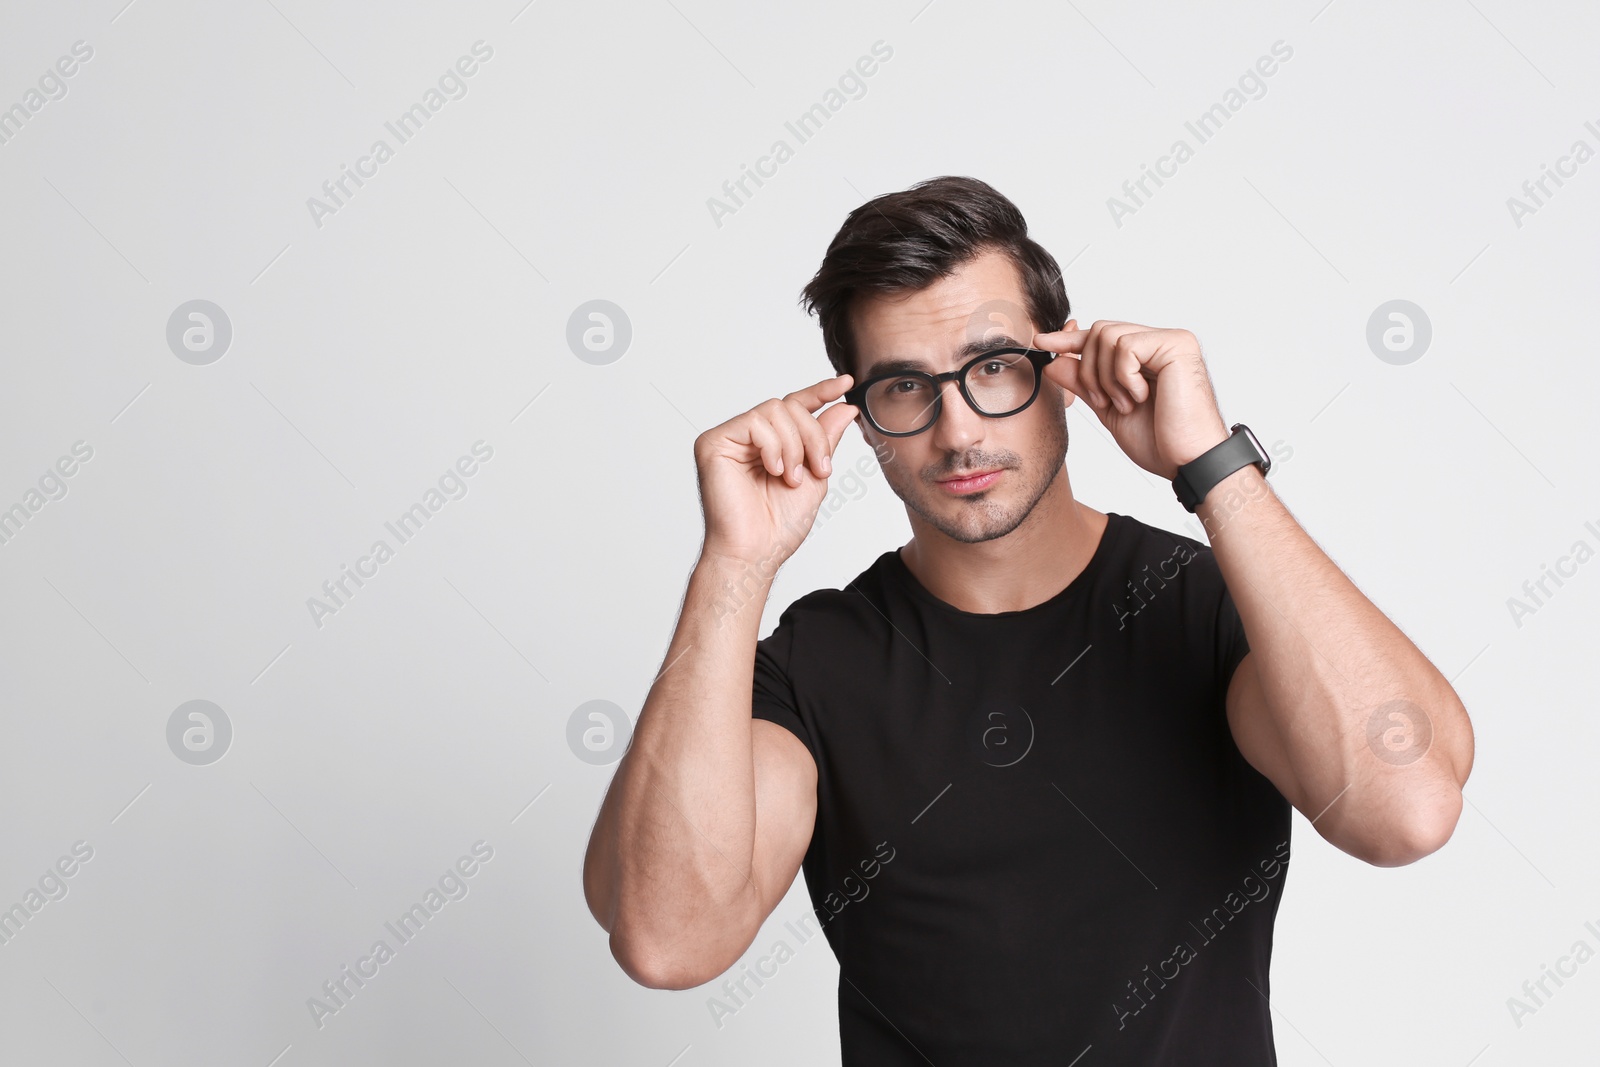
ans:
x=1148 y=386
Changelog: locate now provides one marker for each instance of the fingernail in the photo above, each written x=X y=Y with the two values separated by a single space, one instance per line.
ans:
x=827 y=466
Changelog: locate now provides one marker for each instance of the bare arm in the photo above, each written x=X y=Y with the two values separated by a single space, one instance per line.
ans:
x=1334 y=704
x=710 y=812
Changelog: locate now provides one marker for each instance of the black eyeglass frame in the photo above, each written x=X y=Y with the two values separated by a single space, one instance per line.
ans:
x=857 y=395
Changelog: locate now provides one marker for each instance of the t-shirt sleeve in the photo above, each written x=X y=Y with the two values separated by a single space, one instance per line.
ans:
x=773 y=697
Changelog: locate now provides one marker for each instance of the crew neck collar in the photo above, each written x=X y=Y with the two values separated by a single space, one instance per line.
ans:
x=1111 y=533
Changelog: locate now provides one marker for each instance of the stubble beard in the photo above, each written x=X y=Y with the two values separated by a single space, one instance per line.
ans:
x=979 y=518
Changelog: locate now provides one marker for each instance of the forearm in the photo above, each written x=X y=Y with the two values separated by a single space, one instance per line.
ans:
x=1381 y=778
x=670 y=860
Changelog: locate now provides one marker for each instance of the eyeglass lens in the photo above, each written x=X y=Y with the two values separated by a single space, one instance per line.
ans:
x=998 y=386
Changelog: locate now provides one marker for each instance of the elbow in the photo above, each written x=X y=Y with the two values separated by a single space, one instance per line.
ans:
x=670 y=954
x=1418 y=832
x=656 y=967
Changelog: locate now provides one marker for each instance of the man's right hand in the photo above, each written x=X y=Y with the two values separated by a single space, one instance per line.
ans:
x=764 y=474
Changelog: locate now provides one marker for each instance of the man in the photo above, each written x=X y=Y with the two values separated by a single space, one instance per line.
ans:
x=1037 y=763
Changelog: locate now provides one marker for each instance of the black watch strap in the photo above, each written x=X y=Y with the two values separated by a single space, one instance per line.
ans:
x=1197 y=477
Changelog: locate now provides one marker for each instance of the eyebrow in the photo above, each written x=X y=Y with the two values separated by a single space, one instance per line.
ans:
x=962 y=354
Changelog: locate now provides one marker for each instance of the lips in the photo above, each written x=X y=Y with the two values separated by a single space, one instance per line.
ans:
x=967 y=483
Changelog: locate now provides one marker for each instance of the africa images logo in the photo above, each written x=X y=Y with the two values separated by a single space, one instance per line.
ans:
x=1255 y=889
x=1003 y=735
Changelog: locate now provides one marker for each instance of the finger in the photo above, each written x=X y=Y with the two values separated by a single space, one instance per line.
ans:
x=1089 y=366
x=792 y=446
x=768 y=444
x=1064 y=371
x=1109 y=349
x=1121 y=349
x=813 y=439
x=1067 y=339
x=1131 y=374
x=1071 y=326
x=819 y=393
x=835 y=421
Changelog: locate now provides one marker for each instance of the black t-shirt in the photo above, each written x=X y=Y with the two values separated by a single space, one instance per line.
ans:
x=1035 y=835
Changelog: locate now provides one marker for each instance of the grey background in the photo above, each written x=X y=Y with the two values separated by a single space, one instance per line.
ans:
x=431 y=312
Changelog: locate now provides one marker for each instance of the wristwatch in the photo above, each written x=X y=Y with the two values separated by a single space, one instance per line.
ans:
x=1196 y=478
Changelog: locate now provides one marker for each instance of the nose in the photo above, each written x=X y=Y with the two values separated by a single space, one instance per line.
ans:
x=958 y=427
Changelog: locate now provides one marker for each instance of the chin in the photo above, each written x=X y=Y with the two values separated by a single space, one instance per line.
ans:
x=982 y=527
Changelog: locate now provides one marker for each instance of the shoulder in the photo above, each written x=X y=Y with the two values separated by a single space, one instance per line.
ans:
x=1144 y=535
x=1171 y=572
x=845 y=613
x=1177 y=585
x=1151 y=546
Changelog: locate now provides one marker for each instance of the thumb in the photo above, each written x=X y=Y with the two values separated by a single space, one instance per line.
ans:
x=1064 y=371
x=835 y=421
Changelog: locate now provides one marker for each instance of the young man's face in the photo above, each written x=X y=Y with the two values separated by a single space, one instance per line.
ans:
x=981 y=300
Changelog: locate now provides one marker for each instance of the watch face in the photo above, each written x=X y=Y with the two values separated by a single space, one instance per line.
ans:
x=1255 y=442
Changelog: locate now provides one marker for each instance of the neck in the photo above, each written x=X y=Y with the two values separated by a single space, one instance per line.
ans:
x=1026 y=567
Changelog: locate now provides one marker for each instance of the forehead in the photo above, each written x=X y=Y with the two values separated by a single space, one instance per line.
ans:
x=978 y=305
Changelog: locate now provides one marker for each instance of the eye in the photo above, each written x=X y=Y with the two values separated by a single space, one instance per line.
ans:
x=905 y=385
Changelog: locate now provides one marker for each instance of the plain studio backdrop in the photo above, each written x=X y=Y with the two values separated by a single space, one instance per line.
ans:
x=231 y=370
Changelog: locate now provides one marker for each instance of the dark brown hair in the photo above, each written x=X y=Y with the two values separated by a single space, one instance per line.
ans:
x=906 y=241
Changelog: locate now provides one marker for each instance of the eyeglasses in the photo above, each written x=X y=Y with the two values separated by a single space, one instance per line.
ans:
x=996 y=384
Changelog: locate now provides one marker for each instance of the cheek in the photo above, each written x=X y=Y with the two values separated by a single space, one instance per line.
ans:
x=1044 y=438
x=898 y=467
